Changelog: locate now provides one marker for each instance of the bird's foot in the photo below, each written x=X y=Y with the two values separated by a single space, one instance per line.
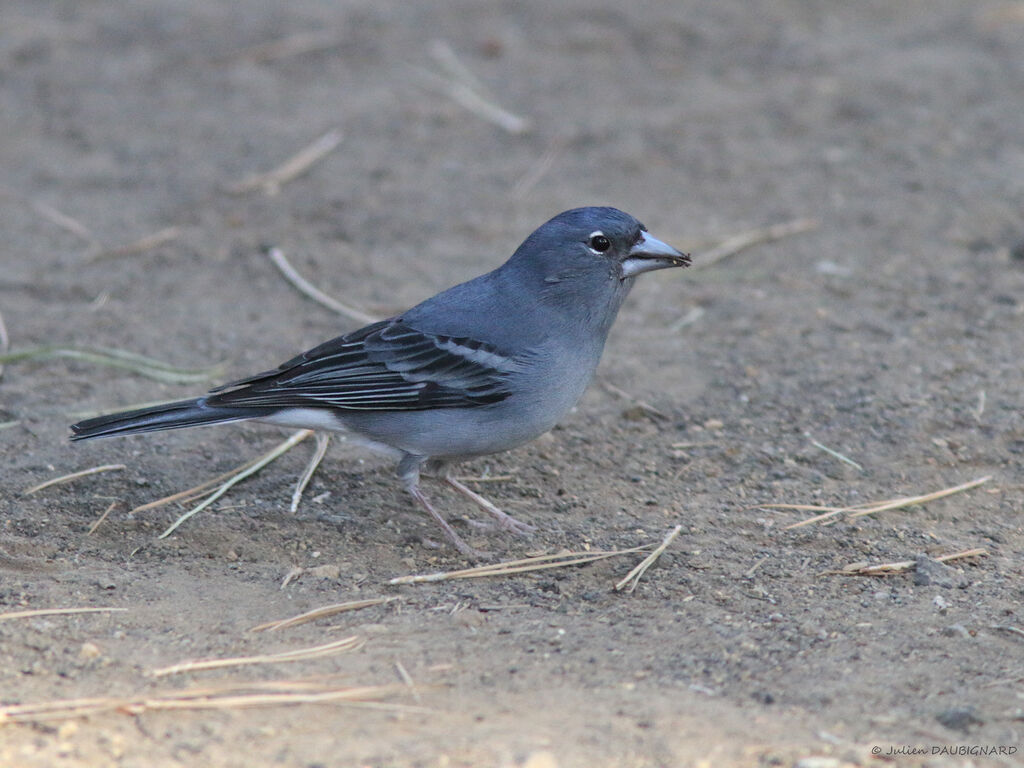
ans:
x=449 y=532
x=502 y=520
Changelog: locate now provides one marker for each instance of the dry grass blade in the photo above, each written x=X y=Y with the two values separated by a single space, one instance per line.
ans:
x=540 y=169
x=291 y=169
x=912 y=500
x=539 y=563
x=231 y=696
x=196 y=491
x=310 y=290
x=322 y=441
x=692 y=316
x=51 y=214
x=901 y=566
x=837 y=455
x=319 y=613
x=65 y=222
x=5 y=342
x=462 y=87
x=301 y=654
x=9 y=424
x=485 y=478
x=55 y=612
x=93 y=528
x=407 y=679
x=632 y=579
x=286 y=47
x=643 y=405
x=1007 y=628
x=117 y=358
x=251 y=469
x=143 y=244
x=872 y=507
x=73 y=476
x=737 y=243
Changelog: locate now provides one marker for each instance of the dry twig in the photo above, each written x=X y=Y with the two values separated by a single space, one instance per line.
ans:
x=143 y=244
x=737 y=243
x=305 y=287
x=301 y=654
x=55 y=612
x=231 y=696
x=322 y=441
x=51 y=214
x=643 y=405
x=837 y=455
x=540 y=168
x=407 y=679
x=5 y=342
x=65 y=222
x=93 y=528
x=872 y=507
x=286 y=47
x=901 y=566
x=462 y=87
x=291 y=169
x=250 y=469
x=539 y=563
x=196 y=491
x=1007 y=628
x=73 y=476
x=632 y=579
x=319 y=613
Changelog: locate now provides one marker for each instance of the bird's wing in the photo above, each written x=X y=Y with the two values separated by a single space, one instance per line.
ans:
x=384 y=366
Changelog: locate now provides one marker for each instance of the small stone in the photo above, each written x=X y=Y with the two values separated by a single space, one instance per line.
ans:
x=930 y=572
x=89 y=651
x=940 y=603
x=714 y=424
x=763 y=697
x=959 y=718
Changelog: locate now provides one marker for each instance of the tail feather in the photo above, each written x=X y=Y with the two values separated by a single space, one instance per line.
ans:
x=184 y=413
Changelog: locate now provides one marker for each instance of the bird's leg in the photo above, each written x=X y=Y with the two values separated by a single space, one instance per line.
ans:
x=504 y=521
x=409 y=471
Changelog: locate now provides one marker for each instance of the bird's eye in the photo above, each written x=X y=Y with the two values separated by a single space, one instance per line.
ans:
x=599 y=243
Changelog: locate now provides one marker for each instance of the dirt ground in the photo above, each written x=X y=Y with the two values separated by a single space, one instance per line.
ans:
x=891 y=334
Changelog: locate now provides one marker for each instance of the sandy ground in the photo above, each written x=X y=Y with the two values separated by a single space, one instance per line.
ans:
x=891 y=334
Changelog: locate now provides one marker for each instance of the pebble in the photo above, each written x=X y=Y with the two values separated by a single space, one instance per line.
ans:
x=930 y=572
x=89 y=651
x=959 y=718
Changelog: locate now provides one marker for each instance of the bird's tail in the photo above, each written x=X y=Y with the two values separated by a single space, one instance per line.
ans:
x=184 y=413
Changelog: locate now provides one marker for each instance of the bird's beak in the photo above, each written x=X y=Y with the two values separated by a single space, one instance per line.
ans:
x=649 y=254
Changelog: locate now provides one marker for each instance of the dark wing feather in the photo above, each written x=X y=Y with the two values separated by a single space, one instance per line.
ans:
x=384 y=366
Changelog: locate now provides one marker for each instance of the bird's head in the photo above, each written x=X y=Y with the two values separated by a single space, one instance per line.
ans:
x=596 y=243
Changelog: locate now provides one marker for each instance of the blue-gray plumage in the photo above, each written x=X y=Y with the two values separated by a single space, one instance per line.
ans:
x=480 y=368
